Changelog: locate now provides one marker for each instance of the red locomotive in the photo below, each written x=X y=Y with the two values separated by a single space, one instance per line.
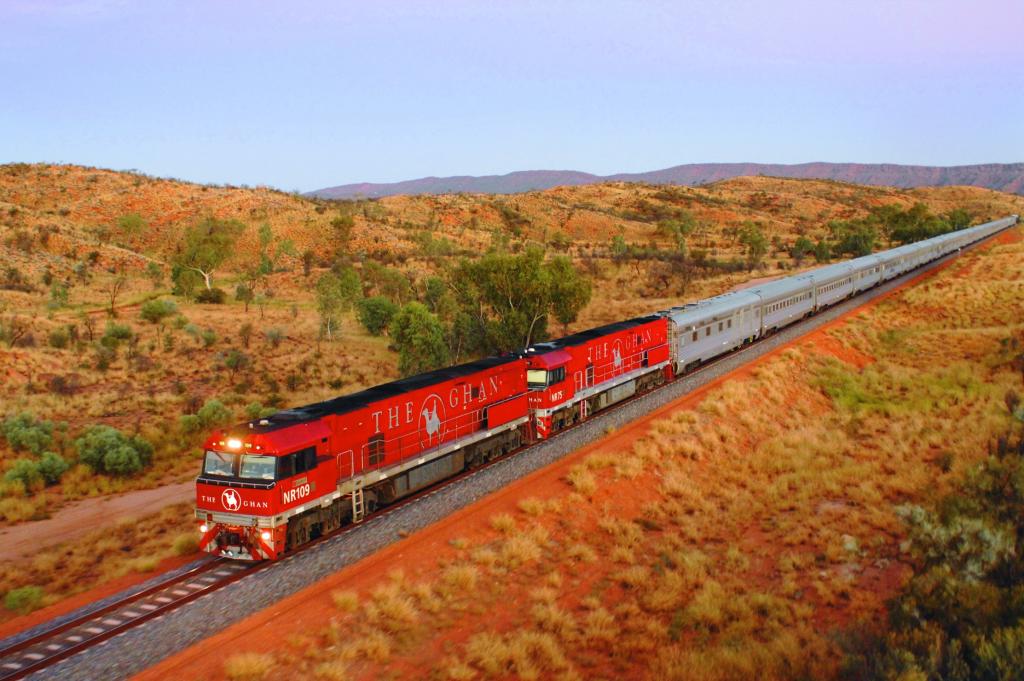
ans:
x=272 y=484
x=574 y=376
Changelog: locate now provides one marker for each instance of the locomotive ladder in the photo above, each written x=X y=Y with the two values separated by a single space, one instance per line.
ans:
x=358 y=506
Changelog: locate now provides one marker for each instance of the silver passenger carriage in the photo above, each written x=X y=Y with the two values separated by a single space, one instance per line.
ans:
x=708 y=328
x=785 y=301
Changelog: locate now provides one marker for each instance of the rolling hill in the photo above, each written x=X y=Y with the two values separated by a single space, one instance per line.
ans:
x=1005 y=177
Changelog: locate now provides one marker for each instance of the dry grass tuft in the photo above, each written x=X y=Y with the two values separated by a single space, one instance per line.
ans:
x=582 y=480
x=344 y=600
x=504 y=523
x=248 y=666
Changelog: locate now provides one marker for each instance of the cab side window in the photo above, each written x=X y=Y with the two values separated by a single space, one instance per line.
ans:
x=285 y=466
x=299 y=462
x=305 y=460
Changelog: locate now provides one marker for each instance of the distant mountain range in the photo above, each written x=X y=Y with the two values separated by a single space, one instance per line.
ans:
x=1005 y=177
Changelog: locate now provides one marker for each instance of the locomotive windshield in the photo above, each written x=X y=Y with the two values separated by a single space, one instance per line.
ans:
x=245 y=466
x=536 y=379
x=220 y=463
x=257 y=467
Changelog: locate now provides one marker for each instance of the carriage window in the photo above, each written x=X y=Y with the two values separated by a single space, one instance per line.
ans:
x=375 y=449
x=720 y=326
x=707 y=331
x=729 y=324
x=556 y=376
x=695 y=335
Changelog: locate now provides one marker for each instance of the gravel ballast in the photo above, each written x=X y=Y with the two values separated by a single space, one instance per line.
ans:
x=159 y=638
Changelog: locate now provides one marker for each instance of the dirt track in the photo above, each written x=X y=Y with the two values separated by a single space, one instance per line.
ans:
x=77 y=518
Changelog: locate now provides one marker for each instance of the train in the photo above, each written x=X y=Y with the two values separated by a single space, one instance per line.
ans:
x=272 y=484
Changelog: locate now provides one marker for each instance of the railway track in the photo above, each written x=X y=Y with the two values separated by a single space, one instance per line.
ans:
x=49 y=647
x=44 y=650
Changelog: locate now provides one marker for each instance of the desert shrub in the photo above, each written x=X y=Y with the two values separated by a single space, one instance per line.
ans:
x=156 y=311
x=213 y=296
x=961 y=616
x=235 y=360
x=52 y=467
x=213 y=413
x=209 y=337
x=64 y=385
x=275 y=336
x=256 y=410
x=248 y=666
x=375 y=313
x=24 y=600
x=186 y=544
x=190 y=424
x=24 y=433
x=59 y=338
x=105 y=356
x=107 y=450
x=114 y=334
x=25 y=471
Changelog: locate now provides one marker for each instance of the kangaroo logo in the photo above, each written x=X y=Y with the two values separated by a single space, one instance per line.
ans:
x=431 y=421
x=616 y=357
x=231 y=500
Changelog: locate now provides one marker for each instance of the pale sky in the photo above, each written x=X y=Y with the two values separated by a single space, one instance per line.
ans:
x=306 y=94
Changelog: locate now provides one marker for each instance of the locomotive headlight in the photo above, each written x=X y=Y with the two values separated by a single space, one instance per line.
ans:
x=234 y=443
x=203 y=528
x=265 y=535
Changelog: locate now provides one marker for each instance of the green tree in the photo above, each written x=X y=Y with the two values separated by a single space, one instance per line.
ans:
x=376 y=313
x=25 y=471
x=107 y=450
x=155 y=274
x=420 y=340
x=801 y=249
x=245 y=295
x=335 y=294
x=269 y=258
x=755 y=242
x=24 y=433
x=570 y=291
x=855 y=238
x=822 y=252
x=207 y=246
x=52 y=467
x=235 y=361
x=156 y=313
x=504 y=300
